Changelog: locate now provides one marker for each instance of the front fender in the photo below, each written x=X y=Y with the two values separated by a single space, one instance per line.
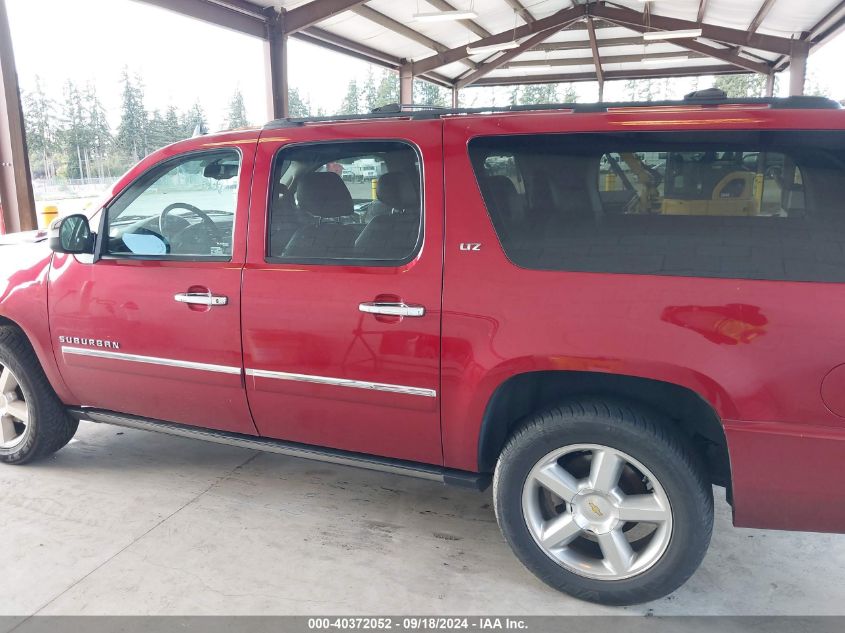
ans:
x=24 y=265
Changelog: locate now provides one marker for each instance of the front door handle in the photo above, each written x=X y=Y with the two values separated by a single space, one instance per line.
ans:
x=391 y=309
x=201 y=299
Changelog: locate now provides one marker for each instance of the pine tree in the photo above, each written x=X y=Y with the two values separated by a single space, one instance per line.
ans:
x=75 y=135
x=640 y=89
x=426 y=93
x=740 y=86
x=157 y=135
x=41 y=130
x=533 y=94
x=388 y=89
x=351 y=103
x=172 y=127
x=99 y=131
x=297 y=106
x=132 y=131
x=370 y=93
x=193 y=121
x=237 y=111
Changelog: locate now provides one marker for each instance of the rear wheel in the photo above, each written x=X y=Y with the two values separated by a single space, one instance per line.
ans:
x=33 y=423
x=603 y=501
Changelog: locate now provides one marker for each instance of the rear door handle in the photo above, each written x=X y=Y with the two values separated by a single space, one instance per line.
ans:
x=391 y=309
x=201 y=299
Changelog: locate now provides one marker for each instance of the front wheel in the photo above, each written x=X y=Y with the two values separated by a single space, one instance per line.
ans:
x=604 y=501
x=33 y=423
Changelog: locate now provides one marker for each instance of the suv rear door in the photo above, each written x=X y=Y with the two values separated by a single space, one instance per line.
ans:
x=326 y=363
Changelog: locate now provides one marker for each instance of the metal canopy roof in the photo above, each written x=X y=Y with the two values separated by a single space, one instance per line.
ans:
x=558 y=40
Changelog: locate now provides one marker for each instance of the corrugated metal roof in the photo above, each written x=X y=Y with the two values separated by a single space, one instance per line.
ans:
x=738 y=35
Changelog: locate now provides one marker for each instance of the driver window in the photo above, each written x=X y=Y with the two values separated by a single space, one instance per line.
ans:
x=182 y=208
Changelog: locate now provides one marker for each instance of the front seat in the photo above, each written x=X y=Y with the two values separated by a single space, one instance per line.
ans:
x=324 y=196
x=393 y=233
x=393 y=188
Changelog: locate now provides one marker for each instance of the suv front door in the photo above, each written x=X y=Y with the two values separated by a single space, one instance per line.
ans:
x=133 y=331
x=331 y=354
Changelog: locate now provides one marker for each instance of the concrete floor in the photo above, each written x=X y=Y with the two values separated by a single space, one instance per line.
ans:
x=130 y=522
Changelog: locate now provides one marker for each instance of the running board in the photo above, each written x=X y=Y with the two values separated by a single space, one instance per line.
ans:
x=461 y=478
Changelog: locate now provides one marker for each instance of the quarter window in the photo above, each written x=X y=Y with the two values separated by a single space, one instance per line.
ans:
x=185 y=208
x=353 y=203
x=756 y=205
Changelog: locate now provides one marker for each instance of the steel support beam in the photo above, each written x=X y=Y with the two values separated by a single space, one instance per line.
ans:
x=798 y=67
x=15 y=179
x=722 y=54
x=471 y=25
x=456 y=97
x=761 y=15
x=276 y=65
x=550 y=47
x=629 y=17
x=636 y=73
x=702 y=11
x=406 y=85
x=316 y=11
x=217 y=14
x=459 y=53
x=520 y=10
x=829 y=26
x=591 y=30
x=397 y=27
x=586 y=61
x=345 y=46
x=770 y=84
x=505 y=57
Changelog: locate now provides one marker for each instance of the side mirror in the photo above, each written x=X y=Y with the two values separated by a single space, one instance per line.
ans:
x=71 y=235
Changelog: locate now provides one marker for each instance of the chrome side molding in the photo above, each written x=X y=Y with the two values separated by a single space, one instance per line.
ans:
x=257 y=373
x=464 y=479
x=150 y=360
x=343 y=382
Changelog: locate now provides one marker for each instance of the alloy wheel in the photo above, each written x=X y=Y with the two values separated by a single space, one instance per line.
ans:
x=14 y=412
x=597 y=512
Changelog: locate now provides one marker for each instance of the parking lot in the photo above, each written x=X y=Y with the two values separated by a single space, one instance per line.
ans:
x=130 y=522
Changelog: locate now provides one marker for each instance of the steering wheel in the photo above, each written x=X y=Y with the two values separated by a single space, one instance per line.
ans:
x=207 y=222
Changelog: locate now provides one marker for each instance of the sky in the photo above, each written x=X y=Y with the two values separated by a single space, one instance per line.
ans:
x=183 y=61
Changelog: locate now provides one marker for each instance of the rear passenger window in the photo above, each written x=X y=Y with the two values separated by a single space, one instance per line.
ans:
x=756 y=205
x=350 y=203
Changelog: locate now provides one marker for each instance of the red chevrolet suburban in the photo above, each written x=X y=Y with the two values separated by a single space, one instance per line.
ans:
x=604 y=309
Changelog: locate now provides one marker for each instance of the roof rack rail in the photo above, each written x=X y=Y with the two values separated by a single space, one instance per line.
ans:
x=709 y=97
x=394 y=108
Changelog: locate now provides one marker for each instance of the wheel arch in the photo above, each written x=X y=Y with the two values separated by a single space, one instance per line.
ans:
x=526 y=393
x=45 y=359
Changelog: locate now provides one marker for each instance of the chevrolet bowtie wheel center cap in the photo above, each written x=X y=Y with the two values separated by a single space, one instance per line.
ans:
x=595 y=512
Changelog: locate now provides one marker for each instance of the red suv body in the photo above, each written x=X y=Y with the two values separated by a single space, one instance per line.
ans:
x=685 y=258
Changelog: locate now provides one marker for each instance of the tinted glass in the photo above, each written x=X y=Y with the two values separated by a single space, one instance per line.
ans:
x=758 y=205
x=355 y=203
x=183 y=208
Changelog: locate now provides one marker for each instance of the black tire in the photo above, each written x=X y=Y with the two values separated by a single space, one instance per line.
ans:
x=49 y=427
x=642 y=434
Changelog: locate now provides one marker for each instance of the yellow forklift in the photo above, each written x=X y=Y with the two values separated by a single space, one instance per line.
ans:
x=695 y=183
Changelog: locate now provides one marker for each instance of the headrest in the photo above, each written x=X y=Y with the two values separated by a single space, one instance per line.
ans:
x=322 y=193
x=397 y=190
